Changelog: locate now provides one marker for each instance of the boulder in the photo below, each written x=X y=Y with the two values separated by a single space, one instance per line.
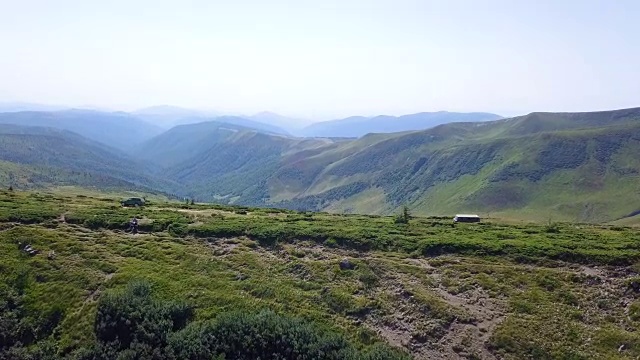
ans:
x=345 y=264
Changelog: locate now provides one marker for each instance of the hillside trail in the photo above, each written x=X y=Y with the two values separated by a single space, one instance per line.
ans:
x=410 y=326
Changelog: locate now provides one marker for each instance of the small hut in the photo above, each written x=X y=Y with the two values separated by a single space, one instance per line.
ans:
x=466 y=218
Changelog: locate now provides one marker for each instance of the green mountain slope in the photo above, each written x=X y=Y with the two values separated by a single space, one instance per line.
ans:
x=183 y=142
x=516 y=167
x=542 y=166
x=36 y=156
x=569 y=166
x=239 y=166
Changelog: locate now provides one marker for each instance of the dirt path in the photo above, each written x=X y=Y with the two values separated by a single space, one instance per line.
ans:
x=95 y=293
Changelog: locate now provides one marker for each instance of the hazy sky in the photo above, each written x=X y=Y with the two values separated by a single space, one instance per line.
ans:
x=324 y=59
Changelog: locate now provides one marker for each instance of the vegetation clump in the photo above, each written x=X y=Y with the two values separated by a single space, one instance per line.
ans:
x=403 y=217
x=132 y=324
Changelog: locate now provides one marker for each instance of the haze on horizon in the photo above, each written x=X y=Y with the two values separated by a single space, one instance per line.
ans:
x=323 y=60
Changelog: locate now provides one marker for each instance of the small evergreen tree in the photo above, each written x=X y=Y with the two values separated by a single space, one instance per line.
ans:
x=192 y=202
x=10 y=187
x=404 y=216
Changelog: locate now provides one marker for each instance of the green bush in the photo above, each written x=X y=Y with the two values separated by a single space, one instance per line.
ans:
x=177 y=229
x=134 y=318
x=132 y=324
x=21 y=327
x=267 y=335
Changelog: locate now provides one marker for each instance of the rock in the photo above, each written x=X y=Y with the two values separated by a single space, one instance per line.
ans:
x=406 y=294
x=345 y=264
x=241 y=277
x=419 y=338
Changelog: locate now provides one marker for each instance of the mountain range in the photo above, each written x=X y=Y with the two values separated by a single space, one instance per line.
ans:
x=541 y=166
x=357 y=126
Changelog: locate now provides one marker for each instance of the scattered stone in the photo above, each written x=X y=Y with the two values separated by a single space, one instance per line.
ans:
x=345 y=264
x=635 y=286
x=406 y=294
x=419 y=338
x=241 y=277
x=28 y=249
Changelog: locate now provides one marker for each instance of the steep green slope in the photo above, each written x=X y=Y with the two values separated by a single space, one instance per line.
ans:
x=35 y=156
x=571 y=166
x=183 y=142
x=585 y=175
x=238 y=167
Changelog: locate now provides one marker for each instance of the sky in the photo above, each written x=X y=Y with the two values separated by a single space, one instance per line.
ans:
x=323 y=59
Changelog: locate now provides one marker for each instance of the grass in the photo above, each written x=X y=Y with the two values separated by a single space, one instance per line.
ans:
x=413 y=285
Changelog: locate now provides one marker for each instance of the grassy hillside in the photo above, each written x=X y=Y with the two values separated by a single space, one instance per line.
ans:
x=509 y=168
x=183 y=142
x=567 y=166
x=628 y=221
x=483 y=291
x=37 y=156
x=237 y=167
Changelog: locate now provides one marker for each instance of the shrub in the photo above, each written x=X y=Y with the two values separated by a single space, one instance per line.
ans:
x=177 y=229
x=634 y=311
x=132 y=324
x=263 y=335
x=133 y=319
x=331 y=242
x=267 y=335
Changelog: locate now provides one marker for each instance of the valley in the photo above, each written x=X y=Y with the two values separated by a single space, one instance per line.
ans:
x=539 y=167
x=334 y=180
x=248 y=232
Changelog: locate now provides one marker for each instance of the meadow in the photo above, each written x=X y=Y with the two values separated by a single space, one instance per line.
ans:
x=354 y=286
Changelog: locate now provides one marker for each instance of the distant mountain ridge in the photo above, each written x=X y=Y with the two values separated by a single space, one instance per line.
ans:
x=292 y=125
x=119 y=130
x=25 y=106
x=167 y=116
x=357 y=126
